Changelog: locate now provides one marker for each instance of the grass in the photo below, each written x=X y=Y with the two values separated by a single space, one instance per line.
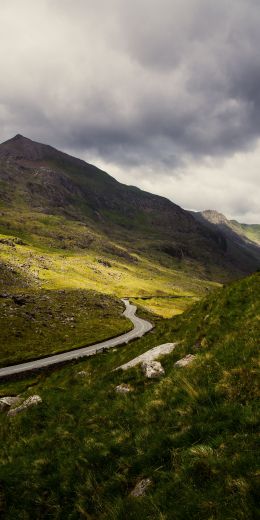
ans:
x=41 y=322
x=166 y=307
x=194 y=432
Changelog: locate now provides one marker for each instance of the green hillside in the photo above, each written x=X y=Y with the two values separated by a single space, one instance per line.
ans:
x=80 y=453
x=68 y=227
x=251 y=231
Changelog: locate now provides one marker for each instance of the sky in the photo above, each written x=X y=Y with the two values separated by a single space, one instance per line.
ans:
x=162 y=94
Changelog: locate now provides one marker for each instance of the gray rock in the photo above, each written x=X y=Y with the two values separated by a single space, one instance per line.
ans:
x=150 y=355
x=141 y=487
x=31 y=401
x=7 y=402
x=152 y=369
x=123 y=389
x=185 y=361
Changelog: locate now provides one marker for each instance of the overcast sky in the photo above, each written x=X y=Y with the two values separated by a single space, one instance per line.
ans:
x=162 y=94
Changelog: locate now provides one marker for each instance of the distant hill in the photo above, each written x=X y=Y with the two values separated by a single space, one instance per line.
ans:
x=240 y=240
x=37 y=177
x=250 y=231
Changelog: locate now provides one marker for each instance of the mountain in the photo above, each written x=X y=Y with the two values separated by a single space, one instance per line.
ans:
x=38 y=178
x=236 y=240
x=250 y=231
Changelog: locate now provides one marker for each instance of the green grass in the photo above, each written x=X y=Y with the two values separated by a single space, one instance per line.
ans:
x=48 y=322
x=166 y=307
x=194 y=432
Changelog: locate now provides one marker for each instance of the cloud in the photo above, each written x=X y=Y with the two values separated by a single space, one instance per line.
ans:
x=152 y=87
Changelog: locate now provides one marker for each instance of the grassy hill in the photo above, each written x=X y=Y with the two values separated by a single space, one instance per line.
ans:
x=193 y=432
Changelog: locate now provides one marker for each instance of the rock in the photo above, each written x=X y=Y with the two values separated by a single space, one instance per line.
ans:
x=185 y=361
x=7 y=402
x=82 y=373
x=150 y=355
x=123 y=389
x=152 y=369
x=141 y=487
x=31 y=401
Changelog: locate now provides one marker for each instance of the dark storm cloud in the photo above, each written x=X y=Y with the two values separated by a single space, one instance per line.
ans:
x=147 y=83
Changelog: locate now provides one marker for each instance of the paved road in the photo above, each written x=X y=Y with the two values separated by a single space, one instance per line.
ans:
x=140 y=328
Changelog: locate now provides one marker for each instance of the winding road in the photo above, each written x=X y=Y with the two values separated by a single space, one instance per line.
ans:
x=140 y=328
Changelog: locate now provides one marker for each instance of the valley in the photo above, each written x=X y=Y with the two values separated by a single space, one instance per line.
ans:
x=78 y=440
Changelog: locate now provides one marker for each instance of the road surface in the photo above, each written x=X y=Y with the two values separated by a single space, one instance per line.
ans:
x=140 y=328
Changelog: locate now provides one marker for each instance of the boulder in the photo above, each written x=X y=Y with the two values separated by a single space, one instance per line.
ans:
x=185 y=361
x=141 y=487
x=152 y=369
x=150 y=355
x=123 y=389
x=31 y=401
x=7 y=402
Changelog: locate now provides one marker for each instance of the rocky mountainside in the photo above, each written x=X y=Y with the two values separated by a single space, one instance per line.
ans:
x=37 y=177
x=237 y=239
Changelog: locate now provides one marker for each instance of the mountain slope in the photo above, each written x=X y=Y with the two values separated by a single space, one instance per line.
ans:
x=250 y=231
x=39 y=178
x=236 y=240
x=193 y=433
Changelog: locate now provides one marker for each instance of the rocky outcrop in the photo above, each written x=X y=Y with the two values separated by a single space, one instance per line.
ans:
x=31 y=401
x=141 y=487
x=150 y=355
x=7 y=402
x=152 y=369
x=185 y=361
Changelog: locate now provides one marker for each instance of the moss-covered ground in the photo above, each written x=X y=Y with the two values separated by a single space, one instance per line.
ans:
x=193 y=432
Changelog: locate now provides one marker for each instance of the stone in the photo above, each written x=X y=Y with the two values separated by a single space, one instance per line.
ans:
x=31 y=401
x=123 y=389
x=7 y=402
x=150 y=355
x=82 y=373
x=141 y=487
x=152 y=369
x=185 y=361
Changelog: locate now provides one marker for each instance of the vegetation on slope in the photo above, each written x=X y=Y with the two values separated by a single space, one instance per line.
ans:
x=38 y=323
x=194 y=432
x=251 y=231
x=48 y=252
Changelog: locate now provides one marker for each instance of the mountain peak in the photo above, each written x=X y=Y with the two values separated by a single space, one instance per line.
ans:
x=213 y=216
x=23 y=148
x=17 y=136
